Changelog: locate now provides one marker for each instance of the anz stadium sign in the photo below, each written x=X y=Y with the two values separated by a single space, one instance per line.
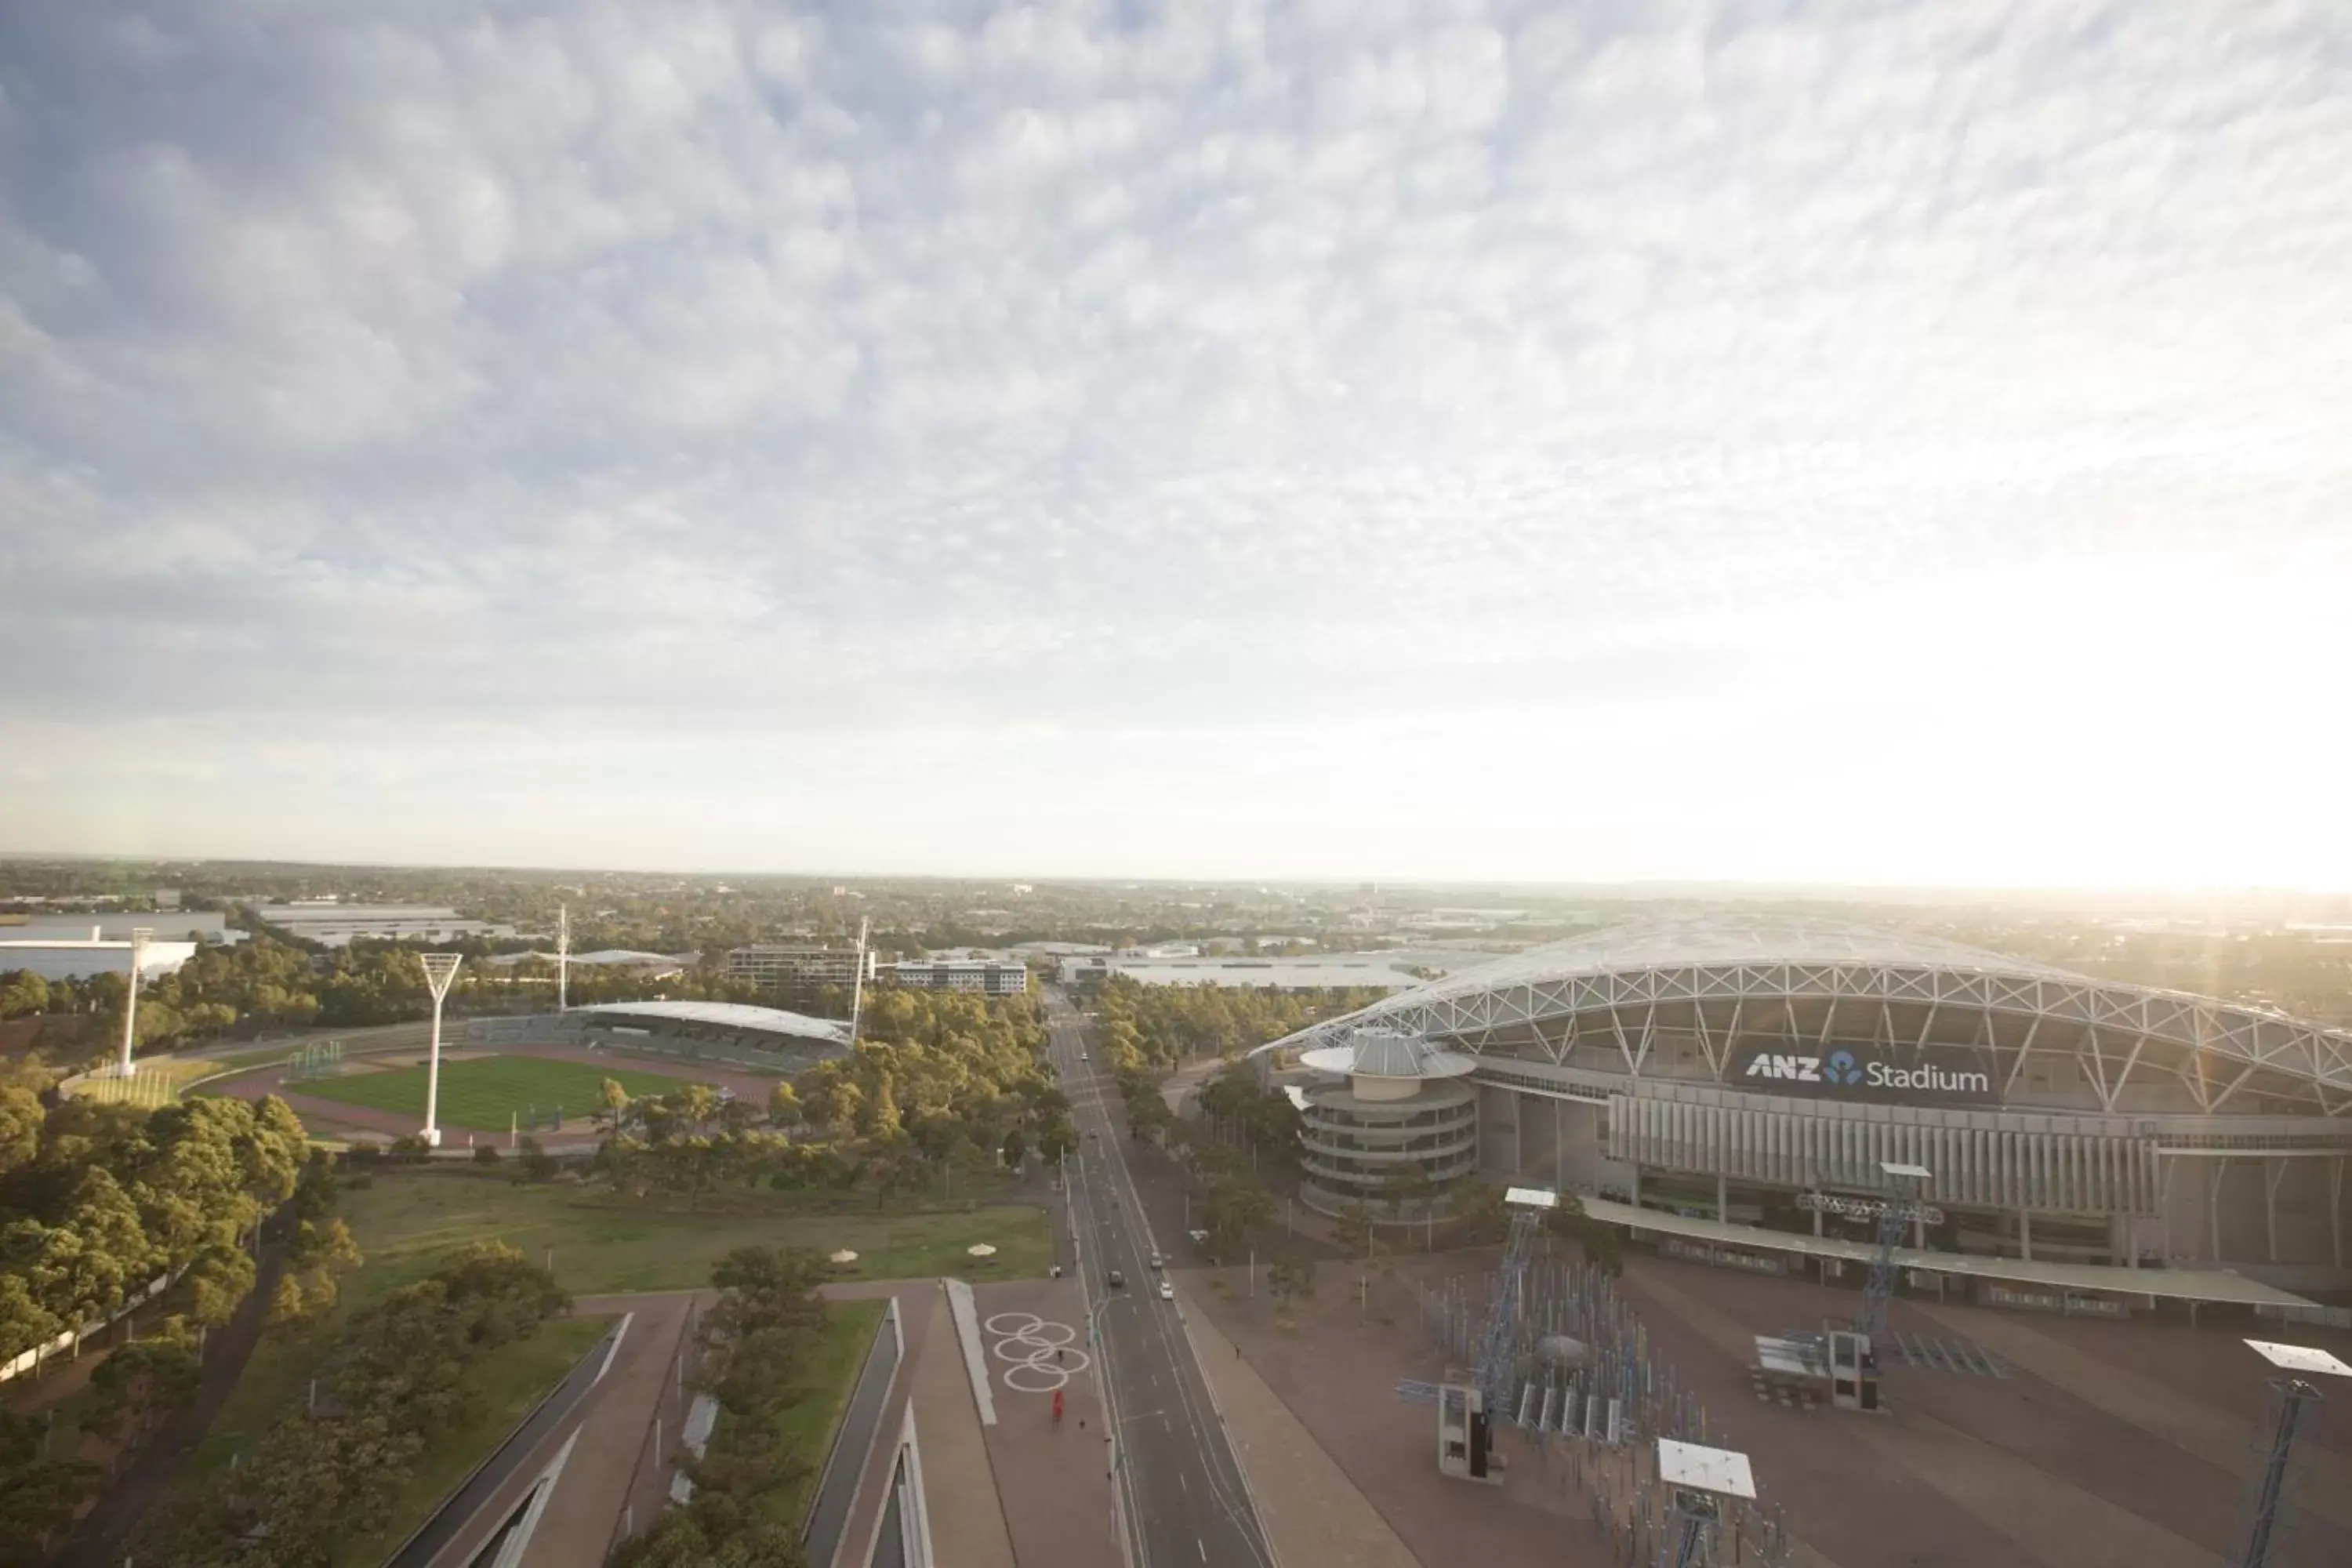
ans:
x=1844 y=1074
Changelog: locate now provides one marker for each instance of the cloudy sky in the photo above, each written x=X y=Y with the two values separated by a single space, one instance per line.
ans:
x=1422 y=440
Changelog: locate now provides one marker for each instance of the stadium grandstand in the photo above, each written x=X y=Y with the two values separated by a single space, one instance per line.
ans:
x=765 y=1037
x=1723 y=1083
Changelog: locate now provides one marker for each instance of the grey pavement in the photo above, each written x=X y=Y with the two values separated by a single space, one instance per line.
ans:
x=1183 y=1493
x=1053 y=1477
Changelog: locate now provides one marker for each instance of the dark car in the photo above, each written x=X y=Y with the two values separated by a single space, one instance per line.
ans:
x=1118 y=1280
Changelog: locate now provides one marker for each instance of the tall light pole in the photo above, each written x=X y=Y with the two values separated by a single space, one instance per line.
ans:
x=563 y=957
x=440 y=968
x=857 y=979
x=2292 y=1396
x=138 y=935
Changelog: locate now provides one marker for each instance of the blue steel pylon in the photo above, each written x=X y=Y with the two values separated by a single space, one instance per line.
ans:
x=1499 y=1350
x=1896 y=1210
x=2292 y=1396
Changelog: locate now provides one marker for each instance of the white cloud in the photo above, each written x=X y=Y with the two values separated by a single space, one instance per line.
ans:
x=1266 y=386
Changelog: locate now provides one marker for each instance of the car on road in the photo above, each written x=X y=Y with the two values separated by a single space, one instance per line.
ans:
x=1118 y=1280
x=1083 y=1057
x=1167 y=1291
x=1155 y=1260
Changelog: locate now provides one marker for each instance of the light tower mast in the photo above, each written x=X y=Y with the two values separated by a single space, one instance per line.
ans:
x=440 y=968
x=138 y=935
x=857 y=979
x=562 y=956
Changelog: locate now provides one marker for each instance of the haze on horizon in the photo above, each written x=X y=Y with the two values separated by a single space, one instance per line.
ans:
x=1484 y=441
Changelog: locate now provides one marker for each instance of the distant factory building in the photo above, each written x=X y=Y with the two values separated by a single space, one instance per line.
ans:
x=331 y=924
x=77 y=946
x=1274 y=974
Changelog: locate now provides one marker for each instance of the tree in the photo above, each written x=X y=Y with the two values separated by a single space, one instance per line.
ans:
x=21 y=1119
x=614 y=1101
x=286 y=1303
x=783 y=1106
x=23 y=994
x=1234 y=1207
x=138 y=1384
x=1354 y=1231
x=537 y=1165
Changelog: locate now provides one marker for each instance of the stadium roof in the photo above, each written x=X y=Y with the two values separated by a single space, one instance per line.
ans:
x=1734 y=939
x=1729 y=956
x=728 y=1015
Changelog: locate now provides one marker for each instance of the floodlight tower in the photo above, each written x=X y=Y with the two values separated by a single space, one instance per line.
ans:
x=2294 y=1397
x=1701 y=1478
x=138 y=935
x=857 y=978
x=1898 y=1208
x=440 y=968
x=563 y=955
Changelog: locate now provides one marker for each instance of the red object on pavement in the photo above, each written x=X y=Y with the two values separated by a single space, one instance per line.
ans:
x=1057 y=1404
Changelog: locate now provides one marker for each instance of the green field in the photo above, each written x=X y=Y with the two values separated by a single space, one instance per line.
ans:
x=407 y=1224
x=805 y=1426
x=511 y=1381
x=487 y=1093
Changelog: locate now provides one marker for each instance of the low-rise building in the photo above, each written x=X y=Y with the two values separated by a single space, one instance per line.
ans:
x=989 y=977
x=330 y=922
x=777 y=964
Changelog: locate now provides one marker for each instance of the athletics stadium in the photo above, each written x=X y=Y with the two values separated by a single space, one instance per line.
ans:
x=1724 y=1087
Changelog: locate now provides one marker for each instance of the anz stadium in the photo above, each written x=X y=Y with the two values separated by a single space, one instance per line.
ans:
x=1735 y=1088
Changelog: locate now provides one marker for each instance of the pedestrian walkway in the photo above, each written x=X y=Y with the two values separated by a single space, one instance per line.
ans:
x=610 y=1472
x=1051 y=1476
x=1312 y=1513
x=968 y=1521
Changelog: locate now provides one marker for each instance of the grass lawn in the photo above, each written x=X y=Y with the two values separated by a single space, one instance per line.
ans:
x=806 y=1428
x=486 y=1093
x=511 y=1381
x=407 y=1221
x=406 y=1224
x=157 y=1082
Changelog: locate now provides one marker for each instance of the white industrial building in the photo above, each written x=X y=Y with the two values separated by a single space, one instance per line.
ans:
x=333 y=924
x=1369 y=972
x=989 y=977
x=77 y=946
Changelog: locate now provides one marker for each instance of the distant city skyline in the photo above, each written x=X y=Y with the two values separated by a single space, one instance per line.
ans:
x=1712 y=442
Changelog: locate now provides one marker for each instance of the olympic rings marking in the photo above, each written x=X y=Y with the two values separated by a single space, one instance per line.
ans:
x=1038 y=1353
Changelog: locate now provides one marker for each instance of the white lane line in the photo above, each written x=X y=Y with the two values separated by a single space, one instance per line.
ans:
x=1204 y=1551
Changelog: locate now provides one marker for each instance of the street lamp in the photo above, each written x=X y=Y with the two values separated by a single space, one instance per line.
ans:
x=440 y=968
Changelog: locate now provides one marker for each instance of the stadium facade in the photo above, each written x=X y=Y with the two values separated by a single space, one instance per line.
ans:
x=1741 y=1069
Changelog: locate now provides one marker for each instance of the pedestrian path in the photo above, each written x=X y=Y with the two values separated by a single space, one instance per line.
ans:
x=1312 y=1513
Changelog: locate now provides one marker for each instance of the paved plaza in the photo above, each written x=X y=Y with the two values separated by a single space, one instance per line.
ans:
x=2107 y=1445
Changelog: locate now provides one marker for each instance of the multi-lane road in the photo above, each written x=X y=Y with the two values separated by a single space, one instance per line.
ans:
x=1180 y=1490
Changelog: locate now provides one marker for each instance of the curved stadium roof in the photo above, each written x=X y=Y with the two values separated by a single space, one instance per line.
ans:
x=729 y=1016
x=1729 y=956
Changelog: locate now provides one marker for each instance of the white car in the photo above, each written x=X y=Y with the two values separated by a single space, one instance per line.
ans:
x=1167 y=1291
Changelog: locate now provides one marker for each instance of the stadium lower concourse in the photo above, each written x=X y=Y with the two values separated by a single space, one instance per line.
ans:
x=1749 y=1073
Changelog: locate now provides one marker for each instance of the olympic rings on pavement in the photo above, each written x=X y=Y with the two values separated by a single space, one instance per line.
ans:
x=1028 y=1345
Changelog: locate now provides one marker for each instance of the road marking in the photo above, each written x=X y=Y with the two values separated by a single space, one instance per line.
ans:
x=1204 y=1551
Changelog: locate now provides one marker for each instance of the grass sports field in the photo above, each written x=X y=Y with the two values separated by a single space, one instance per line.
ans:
x=485 y=1093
